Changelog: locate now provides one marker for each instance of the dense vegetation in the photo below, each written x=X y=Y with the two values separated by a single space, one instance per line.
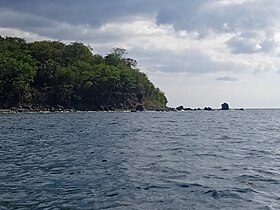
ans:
x=50 y=75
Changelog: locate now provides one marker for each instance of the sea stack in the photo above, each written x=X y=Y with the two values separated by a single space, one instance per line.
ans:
x=225 y=106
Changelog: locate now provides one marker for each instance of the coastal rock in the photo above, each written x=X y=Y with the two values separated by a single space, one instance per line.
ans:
x=140 y=108
x=180 y=108
x=208 y=108
x=27 y=107
x=225 y=106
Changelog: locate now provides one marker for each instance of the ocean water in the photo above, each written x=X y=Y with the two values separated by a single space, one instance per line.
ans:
x=149 y=160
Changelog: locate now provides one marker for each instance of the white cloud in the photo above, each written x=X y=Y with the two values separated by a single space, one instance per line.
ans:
x=12 y=32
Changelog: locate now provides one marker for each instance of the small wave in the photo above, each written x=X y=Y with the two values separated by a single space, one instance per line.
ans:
x=187 y=184
x=225 y=137
x=245 y=190
x=112 y=194
x=237 y=142
x=189 y=134
x=113 y=123
x=151 y=187
x=217 y=194
x=210 y=155
x=256 y=178
x=265 y=207
x=176 y=149
x=267 y=172
x=116 y=205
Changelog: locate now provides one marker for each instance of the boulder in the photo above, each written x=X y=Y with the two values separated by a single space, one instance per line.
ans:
x=140 y=108
x=208 y=108
x=180 y=108
x=225 y=106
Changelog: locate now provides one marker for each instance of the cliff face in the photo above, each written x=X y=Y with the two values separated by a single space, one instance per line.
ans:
x=52 y=75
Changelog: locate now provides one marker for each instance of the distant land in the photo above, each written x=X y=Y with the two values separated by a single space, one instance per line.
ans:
x=51 y=76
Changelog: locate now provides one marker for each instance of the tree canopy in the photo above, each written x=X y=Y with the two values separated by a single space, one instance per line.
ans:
x=51 y=74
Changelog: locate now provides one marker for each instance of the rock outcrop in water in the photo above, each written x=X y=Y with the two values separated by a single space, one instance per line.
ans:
x=180 y=108
x=225 y=106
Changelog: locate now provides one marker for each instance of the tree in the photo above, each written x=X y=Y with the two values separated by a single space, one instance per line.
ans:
x=16 y=77
x=49 y=74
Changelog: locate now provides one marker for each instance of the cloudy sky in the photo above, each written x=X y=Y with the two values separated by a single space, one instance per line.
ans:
x=199 y=52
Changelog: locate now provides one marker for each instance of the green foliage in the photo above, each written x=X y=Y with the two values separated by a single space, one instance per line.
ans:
x=50 y=74
x=17 y=71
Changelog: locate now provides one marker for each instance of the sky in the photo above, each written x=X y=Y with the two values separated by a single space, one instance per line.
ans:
x=199 y=52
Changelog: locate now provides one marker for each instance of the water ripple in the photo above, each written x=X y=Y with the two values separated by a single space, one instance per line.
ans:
x=151 y=160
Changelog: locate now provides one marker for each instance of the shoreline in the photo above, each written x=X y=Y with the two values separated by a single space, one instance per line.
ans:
x=168 y=109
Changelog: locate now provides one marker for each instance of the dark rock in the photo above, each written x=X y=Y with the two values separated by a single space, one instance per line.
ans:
x=5 y=110
x=161 y=109
x=225 y=106
x=140 y=108
x=26 y=107
x=187 y=109
x=208 y=108
x=180 y=108
x=59 y=107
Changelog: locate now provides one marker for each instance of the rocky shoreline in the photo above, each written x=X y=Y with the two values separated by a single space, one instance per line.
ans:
x=138 y=108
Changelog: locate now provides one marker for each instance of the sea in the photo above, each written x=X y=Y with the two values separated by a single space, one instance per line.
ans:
x=140 y=160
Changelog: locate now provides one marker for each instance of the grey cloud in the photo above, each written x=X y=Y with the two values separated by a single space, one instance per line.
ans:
x=198 y=15
x=268 y=44
x=91 y=12
x=13 y=19
x=79 y=33
x=54 y=29
x=227 y=78
x=189 y=61
x=70 y=19
x=202 y=15
x=240 y=44
x=253 y=42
